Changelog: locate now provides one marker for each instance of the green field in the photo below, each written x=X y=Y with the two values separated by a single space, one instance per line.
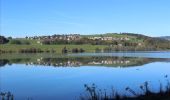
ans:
x=57 y=48
x=133 y=44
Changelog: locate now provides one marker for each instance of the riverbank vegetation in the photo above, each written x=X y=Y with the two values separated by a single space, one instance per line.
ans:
x=93 y=93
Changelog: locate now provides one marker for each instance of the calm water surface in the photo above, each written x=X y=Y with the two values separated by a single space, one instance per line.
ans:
x=63 y=78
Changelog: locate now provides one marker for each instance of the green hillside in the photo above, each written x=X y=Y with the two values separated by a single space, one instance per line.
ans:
x=88 y=43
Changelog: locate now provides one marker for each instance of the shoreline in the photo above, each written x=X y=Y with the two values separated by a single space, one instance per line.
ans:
x=11 y=48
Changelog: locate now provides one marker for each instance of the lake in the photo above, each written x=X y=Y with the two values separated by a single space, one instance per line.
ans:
x=62 y=77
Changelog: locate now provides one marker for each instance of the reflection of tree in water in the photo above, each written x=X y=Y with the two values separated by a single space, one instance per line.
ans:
x=3 y=62
x=80 y=61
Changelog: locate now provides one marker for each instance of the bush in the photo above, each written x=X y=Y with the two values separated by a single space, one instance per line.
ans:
x=26 y=42
x=15 y=42
x=81 y=50
x=3 y=40
x=19 y=42
x=30 y=50
x=97 y=50
x=76 y=50
x=64 y=50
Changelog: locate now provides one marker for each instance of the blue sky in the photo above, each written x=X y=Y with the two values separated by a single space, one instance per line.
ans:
x=20 y=18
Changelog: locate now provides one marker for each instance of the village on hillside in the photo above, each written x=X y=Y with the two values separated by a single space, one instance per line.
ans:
x=76 y=37
x=118 y=38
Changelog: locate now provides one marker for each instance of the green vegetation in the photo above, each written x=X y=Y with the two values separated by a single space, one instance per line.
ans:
x=152 y=43
x=3 y=40
x=19 y=42
x=83 y=43
x=9 y=48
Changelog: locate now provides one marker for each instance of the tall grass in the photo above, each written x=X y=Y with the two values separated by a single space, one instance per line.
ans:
x=93 y=93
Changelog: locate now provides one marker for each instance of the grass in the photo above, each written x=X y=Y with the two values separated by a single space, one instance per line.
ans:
x=57 y=48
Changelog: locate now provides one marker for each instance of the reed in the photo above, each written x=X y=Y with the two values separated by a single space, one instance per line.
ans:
x=93 y=93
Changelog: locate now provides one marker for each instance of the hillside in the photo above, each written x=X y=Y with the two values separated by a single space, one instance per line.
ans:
x=165 y=37
x=89 y=43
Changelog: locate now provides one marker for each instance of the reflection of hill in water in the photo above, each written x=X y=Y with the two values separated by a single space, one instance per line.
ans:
x=65 y=61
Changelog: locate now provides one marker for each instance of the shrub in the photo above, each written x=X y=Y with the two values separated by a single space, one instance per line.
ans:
x=26 y=42
x=19 y=42
x=98 y=50
x=15 y=42
x=30 y=50
x=3 y=40
x=64 y=50
x=75 y=50
x=81 y=50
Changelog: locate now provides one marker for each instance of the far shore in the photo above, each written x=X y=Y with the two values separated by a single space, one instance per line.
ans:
x=13 y=48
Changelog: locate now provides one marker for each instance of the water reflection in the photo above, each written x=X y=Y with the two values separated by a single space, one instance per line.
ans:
x=83 y=61
x=92 y=92
x=29 y=75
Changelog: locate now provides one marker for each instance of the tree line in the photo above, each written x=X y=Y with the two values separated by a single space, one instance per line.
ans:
x=85 y=40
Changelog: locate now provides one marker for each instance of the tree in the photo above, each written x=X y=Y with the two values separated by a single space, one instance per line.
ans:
x=9 y=38
x=3 y=40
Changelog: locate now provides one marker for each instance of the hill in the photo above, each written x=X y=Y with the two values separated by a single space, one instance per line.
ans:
x=89 y=43
x=165 y=37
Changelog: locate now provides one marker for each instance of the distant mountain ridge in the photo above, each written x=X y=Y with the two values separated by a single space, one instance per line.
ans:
x=165 y=37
